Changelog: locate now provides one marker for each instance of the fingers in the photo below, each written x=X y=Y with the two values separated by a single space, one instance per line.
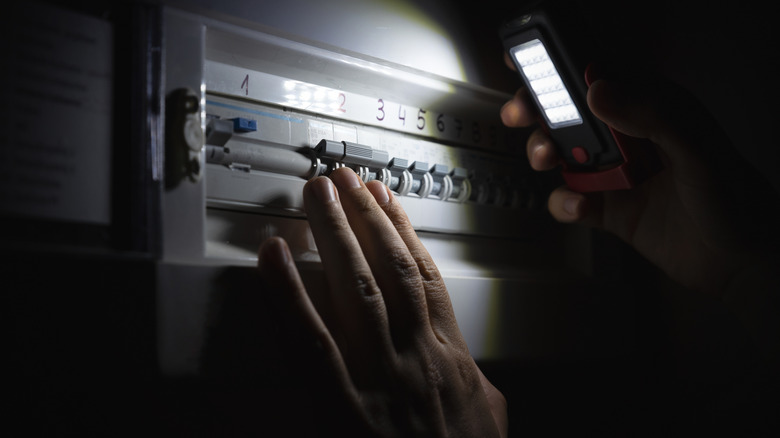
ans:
x=365 y=253
x=508 y=62
x=282 y=279
x=664 y=114
x=541 y=151
x=569 y=207
x=440 y=312
x=519 y=111
x=395 y=269
x=361 y=309
x=275 y=264
x=636 y=110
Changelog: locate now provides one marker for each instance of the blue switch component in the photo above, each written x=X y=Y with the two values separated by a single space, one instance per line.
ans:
x=241 y=124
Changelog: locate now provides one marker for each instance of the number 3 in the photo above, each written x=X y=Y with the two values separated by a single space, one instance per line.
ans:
x=381 y=115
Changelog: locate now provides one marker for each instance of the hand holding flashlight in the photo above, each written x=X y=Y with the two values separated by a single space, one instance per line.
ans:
x=706 y=217
x=594 y=156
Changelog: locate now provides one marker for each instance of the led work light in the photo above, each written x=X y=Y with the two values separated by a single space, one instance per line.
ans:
x=595 y=156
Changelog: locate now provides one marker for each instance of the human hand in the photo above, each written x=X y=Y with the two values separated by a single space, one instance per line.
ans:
x=393 y=345
x=706 y=218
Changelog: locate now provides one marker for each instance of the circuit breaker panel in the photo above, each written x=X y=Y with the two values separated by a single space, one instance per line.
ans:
x=260 y=113
x=279 y=112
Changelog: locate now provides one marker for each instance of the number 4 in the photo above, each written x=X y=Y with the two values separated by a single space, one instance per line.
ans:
x=402 y=118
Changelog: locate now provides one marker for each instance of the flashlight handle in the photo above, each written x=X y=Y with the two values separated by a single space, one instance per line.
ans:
x=640 y=161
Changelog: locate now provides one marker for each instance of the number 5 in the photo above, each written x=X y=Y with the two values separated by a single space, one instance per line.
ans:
x=421 y=119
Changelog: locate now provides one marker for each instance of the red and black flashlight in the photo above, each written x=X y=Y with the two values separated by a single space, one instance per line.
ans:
x=595 y=156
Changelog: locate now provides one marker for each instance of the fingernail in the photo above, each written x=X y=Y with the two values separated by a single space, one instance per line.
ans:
x=345 y=179
x=380 y=193
x=593 y=73
x=535 y=151
x=324 y=189
x=571 y=206
x=506 y=115
x=510 y=116
x=275 y=252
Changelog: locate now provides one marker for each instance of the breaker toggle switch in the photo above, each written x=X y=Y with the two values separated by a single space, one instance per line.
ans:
x=499 y=192
x=400 y=177
x=461 y=186
x=422 y=181
x=480 y=187
x=366 y=161
x=218 y=132
x=442 y=183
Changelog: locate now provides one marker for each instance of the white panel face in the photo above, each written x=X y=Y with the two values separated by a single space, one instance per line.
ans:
x=419 y=115
x=273 y=106
x=297 y=95
x=270 y=99
x=424 y=35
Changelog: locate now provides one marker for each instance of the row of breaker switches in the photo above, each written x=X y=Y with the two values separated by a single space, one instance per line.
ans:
x=403 y=177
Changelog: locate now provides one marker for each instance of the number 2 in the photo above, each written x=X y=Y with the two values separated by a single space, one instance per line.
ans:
x=342 y=102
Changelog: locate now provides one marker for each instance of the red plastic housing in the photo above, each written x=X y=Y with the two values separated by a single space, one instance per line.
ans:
x=640 y=162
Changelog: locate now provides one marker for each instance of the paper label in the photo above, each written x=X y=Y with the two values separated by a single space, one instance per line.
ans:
x=56 y=127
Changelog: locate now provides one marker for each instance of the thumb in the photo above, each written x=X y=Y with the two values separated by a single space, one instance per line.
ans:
x=666 y=115
x=625 y=108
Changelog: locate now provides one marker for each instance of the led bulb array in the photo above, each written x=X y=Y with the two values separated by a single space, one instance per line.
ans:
x=551 y=93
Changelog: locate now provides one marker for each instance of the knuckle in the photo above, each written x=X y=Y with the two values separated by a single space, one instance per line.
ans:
x=333 y=220
x=407 y=273
x=365 y=285
x=428 y=271
x=397 y=216
x=425 y=361
x=441 y=367
x=403 y=264
x=364 y=205
x=433 y=370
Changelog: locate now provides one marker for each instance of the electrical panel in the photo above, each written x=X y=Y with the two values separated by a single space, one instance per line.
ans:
x=268 y=111
x=214 y=125
x=279 y=112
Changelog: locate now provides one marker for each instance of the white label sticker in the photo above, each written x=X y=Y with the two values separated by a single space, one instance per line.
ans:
x=319 y=131
x=55 y=146
x=345 y=133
